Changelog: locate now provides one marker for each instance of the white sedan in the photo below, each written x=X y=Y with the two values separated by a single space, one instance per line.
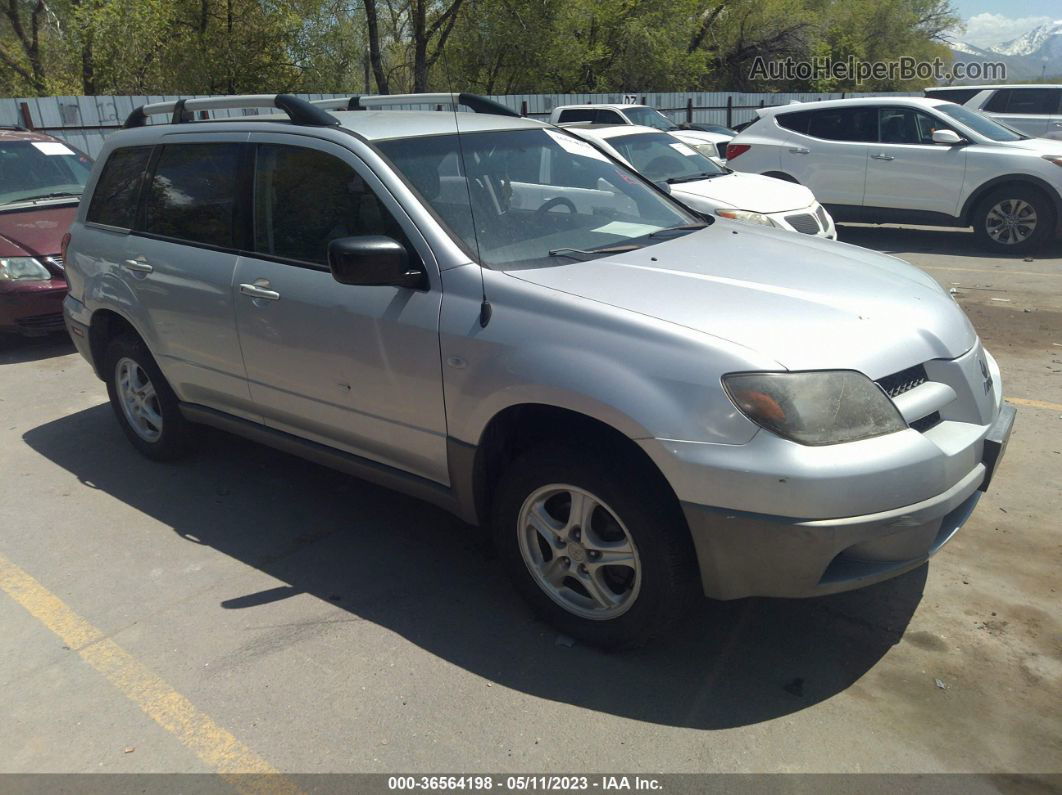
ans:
x=704 y=185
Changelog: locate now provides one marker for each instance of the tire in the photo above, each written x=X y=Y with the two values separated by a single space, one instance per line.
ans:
x=1014 y=219
x=644 y=594
x=145 y=405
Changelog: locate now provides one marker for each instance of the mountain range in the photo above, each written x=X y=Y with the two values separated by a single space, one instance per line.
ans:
x=1035 y=54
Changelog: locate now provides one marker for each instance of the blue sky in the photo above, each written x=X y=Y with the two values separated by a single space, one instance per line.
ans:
x=991 y=22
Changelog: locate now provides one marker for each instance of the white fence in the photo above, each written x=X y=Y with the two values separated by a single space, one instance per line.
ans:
x=85 y=121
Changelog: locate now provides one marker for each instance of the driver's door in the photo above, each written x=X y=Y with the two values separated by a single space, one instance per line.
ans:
x=353 y=367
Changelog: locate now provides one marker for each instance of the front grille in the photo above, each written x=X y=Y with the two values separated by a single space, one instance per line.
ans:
x=903 y=381
x=56 y=260
x=721 y=148
x=50 y=322
x=803 y=222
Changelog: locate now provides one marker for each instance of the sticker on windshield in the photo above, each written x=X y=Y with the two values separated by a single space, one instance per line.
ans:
x=625 y=229
x=575 y=146
x=52 y=148
x=683 y=149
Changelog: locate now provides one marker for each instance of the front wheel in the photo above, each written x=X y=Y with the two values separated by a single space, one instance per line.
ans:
x=596 y=548
x=1014 y=219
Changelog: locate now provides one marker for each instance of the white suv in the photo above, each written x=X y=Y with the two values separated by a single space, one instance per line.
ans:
x=911 y=160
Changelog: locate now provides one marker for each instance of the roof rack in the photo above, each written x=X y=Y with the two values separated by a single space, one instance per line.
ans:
x=299 y=110
x=472 y=101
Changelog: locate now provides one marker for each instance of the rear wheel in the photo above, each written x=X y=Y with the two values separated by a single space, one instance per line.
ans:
x=1014 y=219
x=143 y=402
x=594 y=546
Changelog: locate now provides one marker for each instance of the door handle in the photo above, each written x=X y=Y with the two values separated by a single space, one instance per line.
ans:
x=138 y=265
x=260 y=291
x=882 y=156
x=1057 y=123
x=800 y=150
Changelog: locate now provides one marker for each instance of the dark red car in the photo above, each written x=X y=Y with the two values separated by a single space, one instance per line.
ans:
x=41 y=180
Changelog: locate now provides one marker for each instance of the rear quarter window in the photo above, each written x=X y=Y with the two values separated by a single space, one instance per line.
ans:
x=114 y=200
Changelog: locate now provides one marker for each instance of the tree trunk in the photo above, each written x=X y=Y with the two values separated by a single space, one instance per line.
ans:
x=375 y=59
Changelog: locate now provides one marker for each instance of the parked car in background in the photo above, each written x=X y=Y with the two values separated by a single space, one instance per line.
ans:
x=912 y=160
x=703 y=185
x=41 y=180
x=505 y=321
x=710 y=143
x=1035 y=109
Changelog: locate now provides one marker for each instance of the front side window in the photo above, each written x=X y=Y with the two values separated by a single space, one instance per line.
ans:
x=650 y=117
x=192 y=194
x=580 y=204
x=115 y=198
x=662 y=158
x=906 y=126
x=304 y=199
x=33 y=170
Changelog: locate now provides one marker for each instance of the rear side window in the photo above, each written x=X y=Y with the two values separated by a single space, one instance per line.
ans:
x=1033 y=100
x=304 y=199
x=956 y=95
x=578 y=114
x=844 y=124
x=608 y=117
x=797 y=122
x=118 y=188
x=997 y=103
x=192 y=194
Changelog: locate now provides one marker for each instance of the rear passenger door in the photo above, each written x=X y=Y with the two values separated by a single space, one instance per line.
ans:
x=827 y=151
x=179 y=262
x=352 y=367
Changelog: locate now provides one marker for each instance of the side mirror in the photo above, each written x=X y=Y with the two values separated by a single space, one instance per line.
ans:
x=373 y=260
x=946 y=137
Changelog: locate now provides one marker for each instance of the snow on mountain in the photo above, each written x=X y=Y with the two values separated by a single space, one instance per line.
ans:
x=1032 y=41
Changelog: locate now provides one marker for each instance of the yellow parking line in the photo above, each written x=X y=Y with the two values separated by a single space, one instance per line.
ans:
x=218 y=748
x=1035 y=404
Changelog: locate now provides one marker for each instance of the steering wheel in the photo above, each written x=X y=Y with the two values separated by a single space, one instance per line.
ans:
x=555 y=202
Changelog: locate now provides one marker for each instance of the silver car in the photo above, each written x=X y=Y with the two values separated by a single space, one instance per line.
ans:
x=490 y=314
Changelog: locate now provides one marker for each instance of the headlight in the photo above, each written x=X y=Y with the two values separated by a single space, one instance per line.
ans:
x=22 y=269
x=816 y=408
x=747 y=216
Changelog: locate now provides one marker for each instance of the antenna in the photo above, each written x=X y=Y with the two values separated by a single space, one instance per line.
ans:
x=485 y=310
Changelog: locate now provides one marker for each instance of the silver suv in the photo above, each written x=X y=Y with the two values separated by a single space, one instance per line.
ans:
x=490 y=314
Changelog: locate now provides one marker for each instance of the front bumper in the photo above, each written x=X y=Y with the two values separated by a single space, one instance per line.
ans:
x=33 y=308
x=747 y=554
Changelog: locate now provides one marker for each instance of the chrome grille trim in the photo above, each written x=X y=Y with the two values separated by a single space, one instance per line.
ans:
x=903 y=381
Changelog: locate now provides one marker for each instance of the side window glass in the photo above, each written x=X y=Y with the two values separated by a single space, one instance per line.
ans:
x=118 y=188
x=608 y=117
x=1031 y=100
x=844 y=124
x=578 y=114
x=997 y=103
x=192 y=194
x=304 y=199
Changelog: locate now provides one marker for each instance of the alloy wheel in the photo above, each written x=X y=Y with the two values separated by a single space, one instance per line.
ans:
x=1011 y=221
x=139 y=400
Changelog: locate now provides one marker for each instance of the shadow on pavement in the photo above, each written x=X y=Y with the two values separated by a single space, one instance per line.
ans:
x=917 y=240
x=421 y=573
x=15 y=349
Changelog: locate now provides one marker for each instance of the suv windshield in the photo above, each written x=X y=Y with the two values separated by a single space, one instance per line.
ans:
x=650 y=117
x=980 y=124
x=40 y=170
x=527 y=197
x=662 y=158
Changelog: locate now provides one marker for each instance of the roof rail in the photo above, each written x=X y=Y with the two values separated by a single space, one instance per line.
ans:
x=299 y=110
x=472 y=101
x=15 y=127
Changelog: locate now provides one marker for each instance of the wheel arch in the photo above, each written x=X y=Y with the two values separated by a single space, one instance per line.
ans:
x=105 y=325
x=476 y=469
x=1023 y=180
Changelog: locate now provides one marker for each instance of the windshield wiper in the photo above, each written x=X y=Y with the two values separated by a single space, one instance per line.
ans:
x=677 y=229
x=56 y=195
x=690 y=178
x=579 y=253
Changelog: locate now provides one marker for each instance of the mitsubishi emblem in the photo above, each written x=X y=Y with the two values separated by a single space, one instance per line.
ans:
x=986 y=375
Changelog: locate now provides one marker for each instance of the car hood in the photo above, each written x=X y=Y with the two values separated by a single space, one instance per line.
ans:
x=36 y=231
x=746 y=192
x=1043 y=146
x=805 y=303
